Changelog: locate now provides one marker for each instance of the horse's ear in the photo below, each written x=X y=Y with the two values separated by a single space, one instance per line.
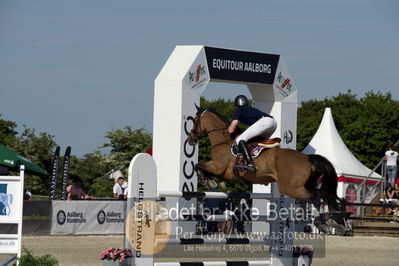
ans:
x=199 y=110
x=197 y=107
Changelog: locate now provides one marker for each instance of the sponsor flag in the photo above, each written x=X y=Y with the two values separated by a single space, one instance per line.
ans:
x=54 y=173
x=65 y=170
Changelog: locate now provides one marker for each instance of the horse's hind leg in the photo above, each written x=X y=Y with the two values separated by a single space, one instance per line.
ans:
x=304 y=194
x=300 y=193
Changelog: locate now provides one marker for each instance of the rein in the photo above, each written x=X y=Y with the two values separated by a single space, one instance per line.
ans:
x=210 y=131
x=221 y=143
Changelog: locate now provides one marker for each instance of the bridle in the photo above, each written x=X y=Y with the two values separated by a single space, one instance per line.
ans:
x=206 y=133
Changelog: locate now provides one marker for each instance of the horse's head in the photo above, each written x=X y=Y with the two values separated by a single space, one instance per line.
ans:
x=206 y=122
x=197 y=131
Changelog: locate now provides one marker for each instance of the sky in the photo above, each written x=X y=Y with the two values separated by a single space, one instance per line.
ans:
x=78 y=69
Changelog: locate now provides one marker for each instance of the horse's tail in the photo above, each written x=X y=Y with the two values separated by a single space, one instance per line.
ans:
x=323 y=181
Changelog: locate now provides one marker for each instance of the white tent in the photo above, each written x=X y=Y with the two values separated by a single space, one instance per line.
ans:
x=328 y=143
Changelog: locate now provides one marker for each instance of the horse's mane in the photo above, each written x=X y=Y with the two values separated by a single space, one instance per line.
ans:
x=224 y=119
x=236 y=132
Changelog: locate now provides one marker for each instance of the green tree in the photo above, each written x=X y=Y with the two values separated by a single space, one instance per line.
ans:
x=101 y=187
x=375 y=123
x=125 y=144
x=93 y=170
x=366 y=125
x=7 y=132
x=36 y=147
x=89 y=167
x=39 y=149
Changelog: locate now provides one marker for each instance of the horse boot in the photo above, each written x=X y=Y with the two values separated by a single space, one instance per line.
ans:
x=244 y=149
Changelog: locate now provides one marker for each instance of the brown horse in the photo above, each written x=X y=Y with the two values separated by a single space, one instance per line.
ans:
x=299 y=176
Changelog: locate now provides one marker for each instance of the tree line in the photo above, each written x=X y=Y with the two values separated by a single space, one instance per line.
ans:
x=367 y=125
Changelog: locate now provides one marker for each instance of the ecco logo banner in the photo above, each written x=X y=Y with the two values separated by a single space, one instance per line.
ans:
x=234 y=65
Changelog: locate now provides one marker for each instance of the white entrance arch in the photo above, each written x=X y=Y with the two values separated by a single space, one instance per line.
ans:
x=178 y=88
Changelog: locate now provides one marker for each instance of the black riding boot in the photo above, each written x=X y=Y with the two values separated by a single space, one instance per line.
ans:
x=244 y=149
x=236 y=149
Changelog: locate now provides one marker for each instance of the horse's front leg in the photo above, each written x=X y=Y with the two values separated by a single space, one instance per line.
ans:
x=209 y=167
x=203 y=171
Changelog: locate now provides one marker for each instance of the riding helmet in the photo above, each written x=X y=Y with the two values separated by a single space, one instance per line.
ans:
x=241 y=100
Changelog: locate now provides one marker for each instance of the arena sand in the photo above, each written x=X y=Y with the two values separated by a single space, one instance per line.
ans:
x=85 y=250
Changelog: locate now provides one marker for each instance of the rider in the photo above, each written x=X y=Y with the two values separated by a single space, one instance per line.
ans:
x=259 y=124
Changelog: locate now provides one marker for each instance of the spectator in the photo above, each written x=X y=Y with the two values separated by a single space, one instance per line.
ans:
x=384 y=197
x=392 y=199
x=391 y=157
x=119 y=188
x=27 y=194
x=75 y=191
x=3 y=170
x=393 y=194
x=126 y=192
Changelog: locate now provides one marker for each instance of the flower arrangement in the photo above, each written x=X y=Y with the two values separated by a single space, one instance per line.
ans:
x=119 y=254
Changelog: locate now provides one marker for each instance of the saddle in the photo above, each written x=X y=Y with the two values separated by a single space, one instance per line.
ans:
x=257 y=146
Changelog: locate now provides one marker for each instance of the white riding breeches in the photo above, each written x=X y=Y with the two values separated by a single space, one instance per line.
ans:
x=264 y=127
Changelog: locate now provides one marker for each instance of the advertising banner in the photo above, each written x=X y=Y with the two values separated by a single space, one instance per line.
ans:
x=88 y=217
x=65 y=172
x=241 y=66
x=283 y=83
x=54 y=173
x=36 y=219
x=11 y=198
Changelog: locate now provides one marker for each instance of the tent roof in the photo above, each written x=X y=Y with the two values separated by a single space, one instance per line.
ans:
x=13 y=160
x=328 y=143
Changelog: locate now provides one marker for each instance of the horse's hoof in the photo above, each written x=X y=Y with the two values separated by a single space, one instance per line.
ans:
x=222 y=185
x=212 y=183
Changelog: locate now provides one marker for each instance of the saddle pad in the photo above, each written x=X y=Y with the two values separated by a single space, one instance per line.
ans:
x=270 y=142
x=256 y=149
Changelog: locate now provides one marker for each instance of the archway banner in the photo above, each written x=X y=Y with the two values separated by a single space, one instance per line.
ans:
x=241 y=66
